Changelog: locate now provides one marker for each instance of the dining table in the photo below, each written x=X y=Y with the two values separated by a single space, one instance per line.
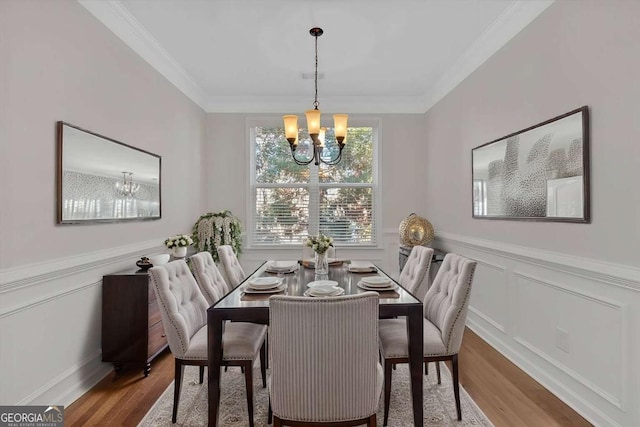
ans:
x=242 y=304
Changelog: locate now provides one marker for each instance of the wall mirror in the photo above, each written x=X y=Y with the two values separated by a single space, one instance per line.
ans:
x=103 y=180
x=540 y=173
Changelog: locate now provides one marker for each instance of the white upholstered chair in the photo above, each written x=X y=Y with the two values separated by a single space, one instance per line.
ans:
x=414 y=277
x=324 y=360
x=445 y=313
x=233 y=271
x=209 y=278
x=184 y=316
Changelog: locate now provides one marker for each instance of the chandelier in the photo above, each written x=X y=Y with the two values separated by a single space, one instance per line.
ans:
x=313 y=124
x=127 y=187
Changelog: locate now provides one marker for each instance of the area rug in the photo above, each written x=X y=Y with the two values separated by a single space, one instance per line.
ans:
x=439 y=404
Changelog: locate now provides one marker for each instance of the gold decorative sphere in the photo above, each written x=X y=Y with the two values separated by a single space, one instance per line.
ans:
x=415 y=230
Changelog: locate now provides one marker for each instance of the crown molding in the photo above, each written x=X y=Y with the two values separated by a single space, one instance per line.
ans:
x=124 y=25
x=513 y=20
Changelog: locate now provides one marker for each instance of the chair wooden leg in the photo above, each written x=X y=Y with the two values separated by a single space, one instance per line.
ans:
x=426 y=367
x=179 y=368
x=438 y=372
x=372 y=422
x=387 y=389
x=263 y=366
x=248 y=379
x=456 y=385
x=277 y=422
x=201 y=374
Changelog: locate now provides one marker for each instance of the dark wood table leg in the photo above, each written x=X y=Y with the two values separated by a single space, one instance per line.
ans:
x=214 y=337
x=414 y=331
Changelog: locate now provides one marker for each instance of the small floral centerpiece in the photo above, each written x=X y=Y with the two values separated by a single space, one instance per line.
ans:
x=319 y=243
x=178 y=244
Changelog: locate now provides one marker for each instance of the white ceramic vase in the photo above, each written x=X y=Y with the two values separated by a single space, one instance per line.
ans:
x=179 y=251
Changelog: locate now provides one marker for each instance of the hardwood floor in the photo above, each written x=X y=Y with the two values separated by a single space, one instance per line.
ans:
x=506 y=394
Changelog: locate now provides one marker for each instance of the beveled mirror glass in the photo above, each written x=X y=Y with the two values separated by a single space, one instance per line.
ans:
x=538 y=174
x=104 y=180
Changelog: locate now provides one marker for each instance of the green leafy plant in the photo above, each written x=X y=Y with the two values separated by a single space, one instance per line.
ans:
x=214 y=229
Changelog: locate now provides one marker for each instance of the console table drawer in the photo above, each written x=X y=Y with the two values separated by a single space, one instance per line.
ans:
x=154 y=313
x=157 y=338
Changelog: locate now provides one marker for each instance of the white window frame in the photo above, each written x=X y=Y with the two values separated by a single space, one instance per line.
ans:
x=374 y=123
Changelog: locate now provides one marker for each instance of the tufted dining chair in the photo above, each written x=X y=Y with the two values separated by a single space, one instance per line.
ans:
x=414 y=277
x=231 y=266
x=445 y=312
x=208 y=277
x=183 y=309
x=324 y=360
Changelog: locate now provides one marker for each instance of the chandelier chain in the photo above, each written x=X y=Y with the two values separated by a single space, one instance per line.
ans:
x=315 y=102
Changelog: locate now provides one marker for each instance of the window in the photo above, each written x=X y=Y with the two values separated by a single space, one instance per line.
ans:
x=290 y=201
x=479 y=197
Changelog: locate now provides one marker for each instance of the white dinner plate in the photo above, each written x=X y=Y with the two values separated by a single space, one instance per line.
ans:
x=391 y=287
x=376 y=281
x=322 y=283
x=264 y=282
x=282 y=266
x=249 y=290
x=311 y=292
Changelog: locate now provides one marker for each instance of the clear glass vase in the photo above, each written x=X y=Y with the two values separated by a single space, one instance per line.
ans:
x=322 y=263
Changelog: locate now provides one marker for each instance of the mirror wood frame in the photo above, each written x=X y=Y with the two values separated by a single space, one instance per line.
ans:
x=60 y=156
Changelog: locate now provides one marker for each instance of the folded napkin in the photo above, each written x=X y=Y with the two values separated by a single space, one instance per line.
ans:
x=282 y=265
x=362 y=267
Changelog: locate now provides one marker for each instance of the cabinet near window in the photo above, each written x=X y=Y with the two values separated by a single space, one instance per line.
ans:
x=132 y=331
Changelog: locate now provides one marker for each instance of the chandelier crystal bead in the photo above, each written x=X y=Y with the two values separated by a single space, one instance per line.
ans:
x=316 y=132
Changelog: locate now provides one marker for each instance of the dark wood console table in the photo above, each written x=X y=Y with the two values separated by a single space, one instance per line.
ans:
x=132 y=329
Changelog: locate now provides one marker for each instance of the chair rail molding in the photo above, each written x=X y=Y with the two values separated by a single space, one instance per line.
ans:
x=609 y=273
x=30 y=274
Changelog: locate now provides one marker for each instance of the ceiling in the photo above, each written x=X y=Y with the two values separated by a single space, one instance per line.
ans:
x=378 y=56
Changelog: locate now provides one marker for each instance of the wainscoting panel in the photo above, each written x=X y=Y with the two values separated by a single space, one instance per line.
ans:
x=50 y=325
x=561 y=326
x=568 y=322
x=490 y=299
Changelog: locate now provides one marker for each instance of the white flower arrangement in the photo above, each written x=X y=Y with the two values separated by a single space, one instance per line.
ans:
x=319 y=243
x=178 y=241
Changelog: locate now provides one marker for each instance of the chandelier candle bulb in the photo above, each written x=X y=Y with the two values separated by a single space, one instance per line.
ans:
x=291 y=128
x=313 y=121
x=340 y=127
x=321 y=137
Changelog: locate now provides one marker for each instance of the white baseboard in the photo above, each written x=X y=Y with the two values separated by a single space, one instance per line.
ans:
x=65 y=388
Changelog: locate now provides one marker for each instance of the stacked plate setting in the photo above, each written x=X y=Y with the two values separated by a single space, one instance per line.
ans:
x=376 y=283
x=264 y=285
x=282 y=267
x=323 y=288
